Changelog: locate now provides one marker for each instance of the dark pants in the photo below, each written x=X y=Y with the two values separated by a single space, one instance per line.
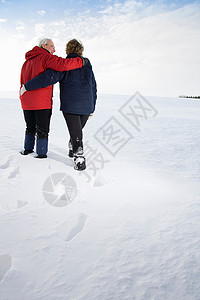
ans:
x=38 y=122
x=75 y=124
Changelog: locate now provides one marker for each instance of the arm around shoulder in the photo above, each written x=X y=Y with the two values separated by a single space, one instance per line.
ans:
x=62 y=64
x=49 y=77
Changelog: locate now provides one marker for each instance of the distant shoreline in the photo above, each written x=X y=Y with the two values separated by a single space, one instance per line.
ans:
x=191 y=97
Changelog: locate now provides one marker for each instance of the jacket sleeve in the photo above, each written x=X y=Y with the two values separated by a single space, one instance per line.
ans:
x=62 y=64
x=94 y=89
x=49 y=77
x=94 y=85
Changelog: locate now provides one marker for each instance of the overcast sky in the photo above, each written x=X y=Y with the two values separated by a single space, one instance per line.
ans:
x=148 y=46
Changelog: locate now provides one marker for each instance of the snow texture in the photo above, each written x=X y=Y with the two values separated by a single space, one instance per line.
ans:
x=126 y=228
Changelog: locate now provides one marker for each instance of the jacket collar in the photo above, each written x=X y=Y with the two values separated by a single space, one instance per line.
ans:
x=73 y=55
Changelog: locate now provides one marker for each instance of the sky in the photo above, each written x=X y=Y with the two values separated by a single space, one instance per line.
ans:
x=148 y=46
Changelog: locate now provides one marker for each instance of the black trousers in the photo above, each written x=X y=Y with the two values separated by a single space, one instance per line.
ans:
x=75 y=124
x=38 y=122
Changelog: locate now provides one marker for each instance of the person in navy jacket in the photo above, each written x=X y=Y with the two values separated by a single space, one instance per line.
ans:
x=78 y=94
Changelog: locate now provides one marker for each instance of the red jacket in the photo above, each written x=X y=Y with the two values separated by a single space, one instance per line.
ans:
x=37 y=61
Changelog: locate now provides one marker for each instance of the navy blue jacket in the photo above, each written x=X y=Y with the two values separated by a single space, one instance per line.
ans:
x=78 y=92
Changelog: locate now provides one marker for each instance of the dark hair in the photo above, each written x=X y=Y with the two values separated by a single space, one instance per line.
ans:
x=74 y=46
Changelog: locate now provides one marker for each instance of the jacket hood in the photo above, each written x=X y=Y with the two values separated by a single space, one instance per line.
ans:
x=34 y=52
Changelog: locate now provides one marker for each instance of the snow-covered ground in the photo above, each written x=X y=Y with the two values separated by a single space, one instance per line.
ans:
x=126 y=228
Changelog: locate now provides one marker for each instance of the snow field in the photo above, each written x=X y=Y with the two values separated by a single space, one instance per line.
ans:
x=132 y=231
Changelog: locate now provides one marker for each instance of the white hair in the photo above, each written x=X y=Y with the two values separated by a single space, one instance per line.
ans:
x=43 y=41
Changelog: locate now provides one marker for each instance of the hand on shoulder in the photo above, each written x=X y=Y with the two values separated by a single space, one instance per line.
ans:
x=85 y=61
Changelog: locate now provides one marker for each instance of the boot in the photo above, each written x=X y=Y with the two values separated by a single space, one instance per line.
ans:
x=29 y=143
x=26 y=152
x=42 y=148
x=79 y=160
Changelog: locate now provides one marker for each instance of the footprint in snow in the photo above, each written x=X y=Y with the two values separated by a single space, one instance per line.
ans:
x=5 y=265
x=14 y=173
x=5 y=165
x=100 y=181
x=21 y=203
x=78 y=228
x=71 y=228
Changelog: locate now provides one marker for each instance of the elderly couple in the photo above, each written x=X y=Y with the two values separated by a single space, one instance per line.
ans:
x=78 y=96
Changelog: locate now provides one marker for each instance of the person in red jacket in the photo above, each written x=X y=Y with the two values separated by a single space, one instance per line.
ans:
x=37 y=104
